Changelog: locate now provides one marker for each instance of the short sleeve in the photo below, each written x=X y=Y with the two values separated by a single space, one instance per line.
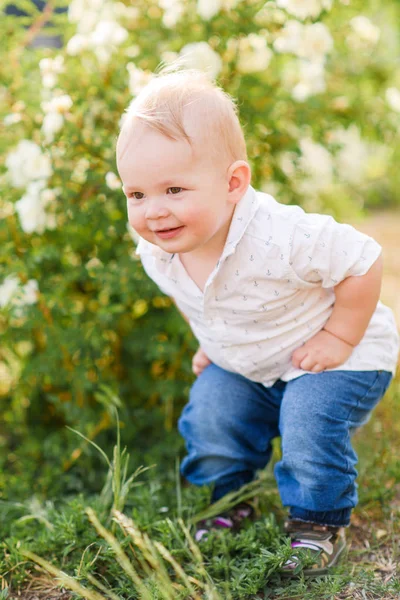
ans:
x=326 y=252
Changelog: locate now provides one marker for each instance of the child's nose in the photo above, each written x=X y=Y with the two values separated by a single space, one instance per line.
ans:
x=156 y=208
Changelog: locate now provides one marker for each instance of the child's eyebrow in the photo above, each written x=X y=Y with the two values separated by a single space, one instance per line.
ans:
x=130 y=188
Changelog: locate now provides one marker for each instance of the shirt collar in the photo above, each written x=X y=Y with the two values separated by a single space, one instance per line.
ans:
x=242 y=216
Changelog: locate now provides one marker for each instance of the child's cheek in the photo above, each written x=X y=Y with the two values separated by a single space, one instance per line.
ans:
x=135 y=220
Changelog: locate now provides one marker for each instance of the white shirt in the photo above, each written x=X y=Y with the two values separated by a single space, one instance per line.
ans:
x=272 y=290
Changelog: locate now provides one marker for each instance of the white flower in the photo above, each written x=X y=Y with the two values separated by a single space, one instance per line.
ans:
x=105 y=38
x=11 y=292
x=317 y=163
x=199 y=55
x=79 y=173
x=254 y=54
x=229 y=4
x=108 y=33
x=207 y=9
x=289 y=38
x=50 y=69
x=316 y=42
x=58 y=104
x=87 y=13
x=365 y=29
x=31 y=209
x=301 y=9
x=311 y=81
x=351 y=158
x=27 y=163
x=393 y=98
x=126 y=12
x=77 y=44
x=287 y=163
x=29 y=293
x=8 y=289
x=112 y=181
x=49 y=196
x=52 y=124
x=12 y=118
x=173 y=11
x=312 y=41
x=138 y=79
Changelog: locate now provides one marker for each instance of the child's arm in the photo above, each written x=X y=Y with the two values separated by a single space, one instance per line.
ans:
x=356 y=300
x=355 y=303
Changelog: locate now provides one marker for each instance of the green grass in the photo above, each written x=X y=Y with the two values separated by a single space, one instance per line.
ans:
x=133 y=538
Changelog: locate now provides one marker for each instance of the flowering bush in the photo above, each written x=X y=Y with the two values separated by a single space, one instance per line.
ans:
x=319 y=97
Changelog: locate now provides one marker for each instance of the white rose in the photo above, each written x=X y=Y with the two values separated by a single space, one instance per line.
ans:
x=54 y=65
x=112 y=181
x=52 y=124
x=49 y=69
x=207 y=9
x=8 y=289
x=393 y=98
x=287 y=163
x=316 y=42
x=58 y=104
x=87 y=13
x=351 y=158
x=199 y=55
x=316 y=162
x=289 y=38
x=365 y=29
x=173 y=11
x=311 y=81
x=108 y=33
x=77 y=44
x=31 y=209
x=301 y=9
x=29 y=293
x=12 y=118
x=229 y=4
x=254 y=54
x=27 y=163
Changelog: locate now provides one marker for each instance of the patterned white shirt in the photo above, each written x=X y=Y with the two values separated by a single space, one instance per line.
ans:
x=272 y=290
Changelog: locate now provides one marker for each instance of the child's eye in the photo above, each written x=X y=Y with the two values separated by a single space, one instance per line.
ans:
x=136 y=195
x=175 y=190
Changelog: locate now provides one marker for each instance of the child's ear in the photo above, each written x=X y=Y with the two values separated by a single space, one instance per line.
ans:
x=239 y=176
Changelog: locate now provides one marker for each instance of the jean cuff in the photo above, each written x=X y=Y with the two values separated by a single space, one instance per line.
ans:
x=334 y=518
x=230 y=483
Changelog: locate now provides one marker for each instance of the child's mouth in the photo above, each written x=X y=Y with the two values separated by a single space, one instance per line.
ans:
x=169 y=233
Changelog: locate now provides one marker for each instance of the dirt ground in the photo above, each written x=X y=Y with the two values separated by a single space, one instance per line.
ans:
x=385 y=228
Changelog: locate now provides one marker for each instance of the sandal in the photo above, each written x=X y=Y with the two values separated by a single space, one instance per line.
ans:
x=231 y=519
x=325 y=544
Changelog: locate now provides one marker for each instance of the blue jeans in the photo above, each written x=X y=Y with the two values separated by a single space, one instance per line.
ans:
x=229 y=422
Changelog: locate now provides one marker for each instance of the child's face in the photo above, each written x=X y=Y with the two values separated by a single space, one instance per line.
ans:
x=177 y=199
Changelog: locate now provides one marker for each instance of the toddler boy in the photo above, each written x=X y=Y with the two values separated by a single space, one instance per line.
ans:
x=293 y=340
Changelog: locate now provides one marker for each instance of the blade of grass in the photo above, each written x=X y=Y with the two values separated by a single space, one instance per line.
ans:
x=122 y=558
x=65 y=579
x=143 y=542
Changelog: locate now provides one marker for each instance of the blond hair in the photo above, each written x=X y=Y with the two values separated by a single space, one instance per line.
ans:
x=173 y=95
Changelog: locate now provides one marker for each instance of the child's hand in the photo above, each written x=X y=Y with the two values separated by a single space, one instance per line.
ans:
x=323 y=351
x=200 y=361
